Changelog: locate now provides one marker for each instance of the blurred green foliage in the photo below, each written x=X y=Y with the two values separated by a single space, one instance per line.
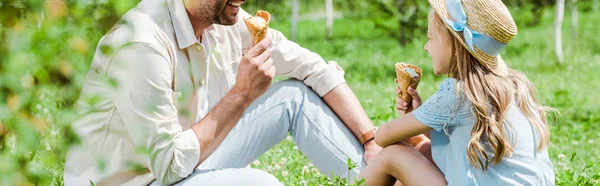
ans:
x=47 y=46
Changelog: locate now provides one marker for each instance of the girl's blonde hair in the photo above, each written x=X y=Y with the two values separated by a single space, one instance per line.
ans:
x=492 y=96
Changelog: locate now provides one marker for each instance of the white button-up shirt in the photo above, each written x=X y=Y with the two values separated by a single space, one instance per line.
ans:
x=151 y=80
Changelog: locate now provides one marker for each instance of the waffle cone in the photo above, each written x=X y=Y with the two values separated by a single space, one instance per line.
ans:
x=405 y=80
x=258 y=32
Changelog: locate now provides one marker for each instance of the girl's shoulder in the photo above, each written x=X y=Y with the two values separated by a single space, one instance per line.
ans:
x=448 y=89
x=449 y=84
x=441 y=108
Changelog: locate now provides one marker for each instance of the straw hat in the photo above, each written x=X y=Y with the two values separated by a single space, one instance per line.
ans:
x=490 y=20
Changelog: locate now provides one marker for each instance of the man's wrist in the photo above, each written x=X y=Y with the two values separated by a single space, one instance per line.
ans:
x=241 y=95
x=367 y=137
x=370 y=143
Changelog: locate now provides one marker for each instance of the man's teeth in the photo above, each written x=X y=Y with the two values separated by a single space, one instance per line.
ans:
x=235 y=3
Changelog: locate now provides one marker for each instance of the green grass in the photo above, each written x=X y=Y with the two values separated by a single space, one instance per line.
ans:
x=368 y=55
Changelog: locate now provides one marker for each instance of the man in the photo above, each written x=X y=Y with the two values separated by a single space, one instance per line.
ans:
x=184 y=96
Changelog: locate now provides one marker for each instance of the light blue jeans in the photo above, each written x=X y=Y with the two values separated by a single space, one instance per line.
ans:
x=288 y=106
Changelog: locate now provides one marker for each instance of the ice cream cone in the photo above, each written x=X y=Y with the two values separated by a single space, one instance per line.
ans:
x=405 y=80
x=258 y=25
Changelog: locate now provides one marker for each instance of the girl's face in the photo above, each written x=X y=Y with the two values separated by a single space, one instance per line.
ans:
x=438 y=44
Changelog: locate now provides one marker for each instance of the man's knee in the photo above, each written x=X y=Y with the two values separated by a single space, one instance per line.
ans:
x=293 y=88
x=294 y=84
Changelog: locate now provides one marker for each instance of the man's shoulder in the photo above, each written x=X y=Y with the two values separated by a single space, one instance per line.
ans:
x=149 y=22
x=145 y=27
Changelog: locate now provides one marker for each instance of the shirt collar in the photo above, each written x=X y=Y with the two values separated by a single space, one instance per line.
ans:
x=184 y=31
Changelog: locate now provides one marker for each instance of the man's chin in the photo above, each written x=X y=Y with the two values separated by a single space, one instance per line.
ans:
x=228 y=21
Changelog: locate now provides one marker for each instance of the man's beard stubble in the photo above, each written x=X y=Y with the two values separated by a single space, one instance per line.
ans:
x=215 y=13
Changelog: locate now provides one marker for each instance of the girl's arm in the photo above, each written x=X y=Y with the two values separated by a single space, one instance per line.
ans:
x=400 y=129
x=407 y=128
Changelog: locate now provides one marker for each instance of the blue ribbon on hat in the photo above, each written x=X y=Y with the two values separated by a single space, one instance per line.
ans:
x=473 y=38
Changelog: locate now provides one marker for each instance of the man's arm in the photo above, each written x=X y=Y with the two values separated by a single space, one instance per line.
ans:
x=345 y=104
x=212 y=129
x=327 y=80
x=144 y=100
x=255 y=75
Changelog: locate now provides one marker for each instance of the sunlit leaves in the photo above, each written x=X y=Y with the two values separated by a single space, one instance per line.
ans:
x=45 y=52
x=78 y=45
x=56 y=8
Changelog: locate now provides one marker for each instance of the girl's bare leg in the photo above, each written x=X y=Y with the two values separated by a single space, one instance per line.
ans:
x=425 y=149
x=404 y=163
x=376 y=172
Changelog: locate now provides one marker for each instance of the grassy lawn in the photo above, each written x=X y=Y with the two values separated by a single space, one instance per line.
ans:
x=368 y=56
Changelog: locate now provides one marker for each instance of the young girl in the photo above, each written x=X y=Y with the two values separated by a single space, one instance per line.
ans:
x=485 y=124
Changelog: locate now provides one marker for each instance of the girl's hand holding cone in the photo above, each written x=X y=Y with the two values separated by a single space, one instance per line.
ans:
x=404 y=107
x=407 y=79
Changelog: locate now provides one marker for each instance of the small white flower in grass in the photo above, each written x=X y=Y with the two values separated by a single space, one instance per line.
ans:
x=284 y=173
x=289 y=138
x=295 y=148
x=310 y=165
x=591 y=141
x=47 y=145
x=38 y=106
x=256 y=163
x=595 y=182
x=46 y=111
x=276 y=167
x=563 y=166
x=283 y=161
x=329 y=183
x=561 y=157
x=315 y=170
x=575 y=142
x=303 y=182
x=305 y=169
x=53 y=132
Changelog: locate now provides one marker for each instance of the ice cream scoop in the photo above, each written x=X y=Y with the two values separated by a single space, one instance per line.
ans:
x=411 y=72
x=258 y=26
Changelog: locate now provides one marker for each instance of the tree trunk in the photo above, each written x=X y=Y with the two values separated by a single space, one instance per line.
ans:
x=560 y=11
x=294 y=29
x=329 y=15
